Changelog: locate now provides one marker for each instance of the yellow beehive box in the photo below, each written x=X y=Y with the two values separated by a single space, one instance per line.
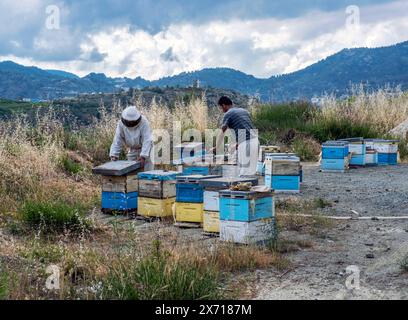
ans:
x=149 y=207
x=211 y=221
x=189 y=212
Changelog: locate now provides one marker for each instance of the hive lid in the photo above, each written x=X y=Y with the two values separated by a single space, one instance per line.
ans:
x=196 y=177
x=335 y=143
x=385 y=141
x=191 y=145
x=226 y=182
x=280 y=154
x=245 y=194
x=353 y=140
x=117 y=168
x=285 y=159
x=158 y=175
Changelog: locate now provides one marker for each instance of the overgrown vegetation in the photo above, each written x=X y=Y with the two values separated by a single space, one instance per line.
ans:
x=4 y=284
x=364 y=114
x=54 y=217
x=48 y=192
x=161 y=276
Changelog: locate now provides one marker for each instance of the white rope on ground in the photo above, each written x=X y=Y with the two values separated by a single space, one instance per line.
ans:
x=347 y=217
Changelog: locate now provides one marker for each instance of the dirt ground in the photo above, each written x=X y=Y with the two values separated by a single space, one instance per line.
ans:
x=374 y=247
x=374 y=191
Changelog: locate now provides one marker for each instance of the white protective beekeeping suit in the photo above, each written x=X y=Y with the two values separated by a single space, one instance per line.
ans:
x=137 y=139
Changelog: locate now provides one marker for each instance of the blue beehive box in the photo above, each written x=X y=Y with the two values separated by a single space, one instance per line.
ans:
x=189 y=192
x=119 y=201
x=383 y=159
x=387 y=159
x=358 y=160
x=189 y=189
x=246 y=206
x=335 y=150
x=283 y=183
x=334 y=164
x=158 y=175
x=192 y=170
x=203 y=170
x=392 y=158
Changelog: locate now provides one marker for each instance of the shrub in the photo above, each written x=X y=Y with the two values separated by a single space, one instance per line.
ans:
x=404 y=264
x=324 y=129
x=306 y=148
x=159 y=276
x=71 y=166
x=403 y=149
x=282 y=116
x=4 y=285
x=54 y=216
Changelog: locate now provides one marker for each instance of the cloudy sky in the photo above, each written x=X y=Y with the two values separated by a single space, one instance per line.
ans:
x=157 y=38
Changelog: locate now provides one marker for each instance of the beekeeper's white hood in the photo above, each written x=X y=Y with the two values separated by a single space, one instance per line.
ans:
x=131 y=114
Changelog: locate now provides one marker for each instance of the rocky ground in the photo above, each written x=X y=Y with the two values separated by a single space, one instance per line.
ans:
x=373 y=248
x=375 y=191
x=365 y=248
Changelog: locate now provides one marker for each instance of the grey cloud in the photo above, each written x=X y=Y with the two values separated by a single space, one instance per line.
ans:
x=21 y=31
x=169 y=56
x=96 y=56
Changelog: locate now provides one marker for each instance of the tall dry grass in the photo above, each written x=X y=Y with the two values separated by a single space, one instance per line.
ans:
x=38 y=157
x=383 y=109
x=31 y=154
x=195 y=114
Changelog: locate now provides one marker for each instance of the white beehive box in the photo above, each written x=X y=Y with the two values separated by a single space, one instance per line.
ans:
x=282 y=166
x=247 y=232
x=384 y=147
x=211 y=201
x=357 y=148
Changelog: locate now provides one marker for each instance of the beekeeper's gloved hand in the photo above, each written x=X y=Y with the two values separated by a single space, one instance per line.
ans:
x=142 y=161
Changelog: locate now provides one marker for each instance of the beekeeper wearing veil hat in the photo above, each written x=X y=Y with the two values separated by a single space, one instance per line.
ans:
x=133 y=132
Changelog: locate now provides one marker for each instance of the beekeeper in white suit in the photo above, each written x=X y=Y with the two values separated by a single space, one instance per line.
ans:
x=133 y=131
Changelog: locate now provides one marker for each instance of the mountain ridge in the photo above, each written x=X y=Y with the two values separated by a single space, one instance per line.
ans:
x=376 y=67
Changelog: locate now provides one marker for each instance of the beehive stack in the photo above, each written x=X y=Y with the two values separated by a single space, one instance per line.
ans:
x=119 y=186
x=371 y=157
x=211 y=218
x=157 y=193
x=387 y=151
x=357 y=150
x=335 y=156
x=282 y=173
x=246 y=216
x=190 y=199
x=263 y=151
